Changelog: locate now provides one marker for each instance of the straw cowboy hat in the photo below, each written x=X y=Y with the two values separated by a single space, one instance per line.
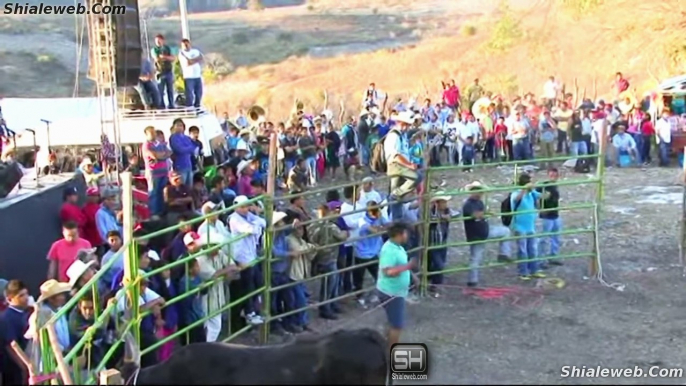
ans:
x=76 y=270
x=51 y=288
x=278 y=216
x=475 y=184
x=244 y=132
x=440 y=196
x=405 y=117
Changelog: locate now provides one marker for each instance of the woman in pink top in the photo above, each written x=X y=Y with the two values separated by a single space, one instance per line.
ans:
x=63 y=252
x=244 y=171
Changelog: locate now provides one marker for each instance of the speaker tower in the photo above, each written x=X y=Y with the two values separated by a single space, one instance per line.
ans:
x=122 y=31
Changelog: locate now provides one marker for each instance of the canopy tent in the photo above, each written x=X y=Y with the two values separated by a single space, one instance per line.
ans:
x=675 y=86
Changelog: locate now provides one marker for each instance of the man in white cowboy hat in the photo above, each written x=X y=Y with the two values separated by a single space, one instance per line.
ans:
x=213 y=265
x=79 y=273
x=244 y=142
x=438 y=237
x=243 y=223
x=477 y=228
x=53 y=295
x=214 y=226
x=399 y=167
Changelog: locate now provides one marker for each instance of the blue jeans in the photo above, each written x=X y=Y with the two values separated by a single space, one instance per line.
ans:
x=150 y=93
x=156 y=194
x=664 y=149
x=186 y=177
x=364 y=153
x=345 y=279
x=312 y=168
x=328 y=287
x=251 y=280
x=437 y=259
x=578 y=148
x=549 y=226
x=165 y=82
x=193 y=90
x=300 y=301
x=282 y=300
x=527 y=249
x=520 y=148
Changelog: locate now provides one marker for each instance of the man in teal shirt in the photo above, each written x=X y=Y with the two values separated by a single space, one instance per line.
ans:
x=523 y=204
x=393 y=283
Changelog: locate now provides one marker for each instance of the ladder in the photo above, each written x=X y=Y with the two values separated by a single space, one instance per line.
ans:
x=103 y=72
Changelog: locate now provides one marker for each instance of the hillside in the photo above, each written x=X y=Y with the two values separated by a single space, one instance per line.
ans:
x=324 y=46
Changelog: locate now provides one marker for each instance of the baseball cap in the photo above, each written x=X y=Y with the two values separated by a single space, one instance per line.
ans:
x=154 y=256
x=70 y=191
x=334 y=205
x=240 y=200
x=190 y=238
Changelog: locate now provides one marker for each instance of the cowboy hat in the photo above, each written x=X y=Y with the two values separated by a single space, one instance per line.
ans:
x=278 y=216
x=405 y=117
x=76 y=270
x=208 y=207
x=51 y=288
x=475 y=184
x=440 y=196
x=244 y=132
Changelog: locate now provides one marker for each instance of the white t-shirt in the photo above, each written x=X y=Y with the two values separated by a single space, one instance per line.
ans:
x=550 y=89
x=663 y=129
x=365 y=197
x=190 y=71
x=390 y=146
x=351 y=220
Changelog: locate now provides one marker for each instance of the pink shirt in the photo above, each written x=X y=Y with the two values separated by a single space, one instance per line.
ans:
x=244 y=187
x=64 y=253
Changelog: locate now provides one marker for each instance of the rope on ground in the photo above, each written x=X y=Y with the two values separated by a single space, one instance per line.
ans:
x=600 y=275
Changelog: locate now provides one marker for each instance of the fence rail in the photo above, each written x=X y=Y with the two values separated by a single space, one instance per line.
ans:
x=50 y=358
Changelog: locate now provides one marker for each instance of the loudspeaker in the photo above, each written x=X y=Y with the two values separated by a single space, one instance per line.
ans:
x=10 y=175
x=126 y=39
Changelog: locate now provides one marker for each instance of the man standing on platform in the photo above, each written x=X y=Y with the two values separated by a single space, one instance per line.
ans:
x=164 y=66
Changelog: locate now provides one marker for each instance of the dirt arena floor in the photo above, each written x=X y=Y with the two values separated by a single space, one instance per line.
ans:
x=529 y=332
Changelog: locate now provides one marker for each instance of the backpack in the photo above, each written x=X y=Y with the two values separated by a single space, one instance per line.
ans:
x=506 y=207
x=377 y=161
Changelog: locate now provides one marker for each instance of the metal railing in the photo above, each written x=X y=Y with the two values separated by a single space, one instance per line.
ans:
x=51 y=357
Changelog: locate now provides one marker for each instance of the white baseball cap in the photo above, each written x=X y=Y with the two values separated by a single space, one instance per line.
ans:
x=240 y=200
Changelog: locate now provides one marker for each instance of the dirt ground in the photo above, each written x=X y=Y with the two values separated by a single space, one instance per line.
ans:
x=526 y=336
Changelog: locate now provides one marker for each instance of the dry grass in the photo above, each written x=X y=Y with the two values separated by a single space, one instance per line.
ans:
x=515 y=53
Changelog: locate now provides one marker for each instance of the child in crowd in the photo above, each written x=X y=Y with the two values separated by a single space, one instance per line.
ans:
x=352 y=162
x=191 y=310
x=163 y=285
x=200 y=194
x=15 y=323
x=468 y=152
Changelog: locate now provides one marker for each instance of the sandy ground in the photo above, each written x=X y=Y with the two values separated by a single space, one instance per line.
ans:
x=527 y=336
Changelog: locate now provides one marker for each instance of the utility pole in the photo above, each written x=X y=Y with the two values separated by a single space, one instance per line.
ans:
x=183 y=13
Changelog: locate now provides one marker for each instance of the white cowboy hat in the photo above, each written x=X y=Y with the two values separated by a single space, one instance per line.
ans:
x=244 y=132
x=475 y=184
x=51 y=288
x=241 y=166
x=440 y=196
x=405 y=117
x=240 y=200
x=208 y=207
x=328 y=114
x=278 y=216
x=76 y=270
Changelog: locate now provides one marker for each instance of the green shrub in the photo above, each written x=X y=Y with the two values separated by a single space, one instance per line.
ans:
x=468 y=29
x=506 y=33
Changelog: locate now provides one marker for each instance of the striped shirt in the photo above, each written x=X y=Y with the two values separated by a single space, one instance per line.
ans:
x=157 y=167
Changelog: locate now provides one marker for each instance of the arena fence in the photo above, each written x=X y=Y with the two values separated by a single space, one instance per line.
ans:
x=74 y=366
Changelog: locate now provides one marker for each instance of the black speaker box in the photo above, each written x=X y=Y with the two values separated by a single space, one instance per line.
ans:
x=10 y=175
x=126 y=38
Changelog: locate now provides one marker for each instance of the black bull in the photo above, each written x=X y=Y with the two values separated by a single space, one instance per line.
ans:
x=346 y=357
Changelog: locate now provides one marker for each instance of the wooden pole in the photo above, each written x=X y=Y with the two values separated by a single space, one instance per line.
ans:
x=111 y=377
x=600 y=172
x=682 y=241
x=130 y=258
x=269 y=234
x=57 y=352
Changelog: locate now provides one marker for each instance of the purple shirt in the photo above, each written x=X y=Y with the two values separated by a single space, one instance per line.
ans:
x=183 y=148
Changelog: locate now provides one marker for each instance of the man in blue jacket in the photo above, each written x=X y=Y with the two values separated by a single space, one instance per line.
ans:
x=367 y=249
x=183 y=149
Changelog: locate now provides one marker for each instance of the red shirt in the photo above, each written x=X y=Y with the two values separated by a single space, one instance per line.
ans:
x=90 y=230
x=647 y=128
x=451 y=96
x=622 y=85
x=64 y=253
x=72 y=212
